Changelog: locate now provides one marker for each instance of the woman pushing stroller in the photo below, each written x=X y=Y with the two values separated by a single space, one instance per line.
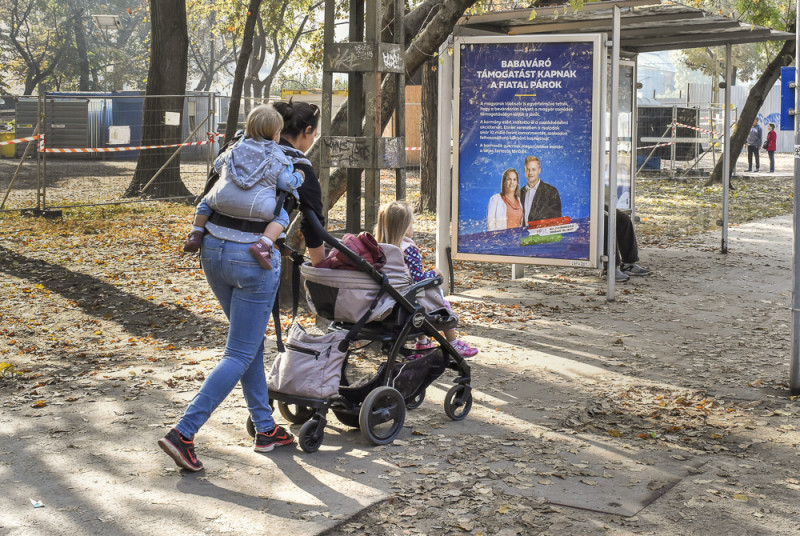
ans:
x=246 y=292
x=396 y=226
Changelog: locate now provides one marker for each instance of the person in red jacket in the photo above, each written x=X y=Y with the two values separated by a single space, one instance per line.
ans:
x=771 y=145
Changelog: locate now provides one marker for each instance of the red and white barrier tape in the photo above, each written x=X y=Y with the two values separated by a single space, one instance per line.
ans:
x=659 y=145
x=19 y=140
x=698 y=129
x=218 y=135
x=44 y=149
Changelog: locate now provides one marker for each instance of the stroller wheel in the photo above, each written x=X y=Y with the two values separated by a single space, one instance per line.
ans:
x=311 y=435
x=458 y=402
x=295 y=414
x=347 y=419
x=251 y=429
x=416 y=400
x=382 y=415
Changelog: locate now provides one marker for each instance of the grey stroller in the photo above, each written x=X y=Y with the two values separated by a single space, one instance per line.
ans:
x=385 y=309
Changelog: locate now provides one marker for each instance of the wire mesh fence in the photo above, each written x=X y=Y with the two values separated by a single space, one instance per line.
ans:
x=63 y=150
x=680 y=139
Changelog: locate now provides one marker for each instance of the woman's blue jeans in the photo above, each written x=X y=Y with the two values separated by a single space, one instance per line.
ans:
x=246 y=293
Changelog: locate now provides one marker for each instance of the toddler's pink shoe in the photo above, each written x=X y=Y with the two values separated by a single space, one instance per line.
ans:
x=193 y=242
x=262 y=253
x=464 y=349
x=424 y=345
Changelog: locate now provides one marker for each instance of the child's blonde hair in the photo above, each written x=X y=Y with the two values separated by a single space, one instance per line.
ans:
x=263 y=123
x=394 y=220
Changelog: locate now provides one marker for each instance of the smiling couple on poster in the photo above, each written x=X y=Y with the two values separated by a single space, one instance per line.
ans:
x=515 y=206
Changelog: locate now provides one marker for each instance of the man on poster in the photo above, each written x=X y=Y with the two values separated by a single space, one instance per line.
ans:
x=541 y=201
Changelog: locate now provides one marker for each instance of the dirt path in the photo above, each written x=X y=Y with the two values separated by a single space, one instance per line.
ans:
x=664 y=412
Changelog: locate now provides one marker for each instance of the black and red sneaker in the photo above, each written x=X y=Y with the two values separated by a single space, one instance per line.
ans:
x=265 y=442
x=181 y=450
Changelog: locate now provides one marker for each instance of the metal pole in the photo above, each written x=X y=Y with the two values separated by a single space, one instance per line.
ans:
x=32 y=143
x=673 y=150
x=611 y=239
x=726 y=157
x=41 y=162
x=794 y=371
x=444 y=160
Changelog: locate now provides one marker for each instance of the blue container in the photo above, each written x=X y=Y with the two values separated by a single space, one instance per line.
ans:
x=654 y=164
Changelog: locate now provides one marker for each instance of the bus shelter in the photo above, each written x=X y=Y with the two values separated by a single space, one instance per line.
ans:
x=552 y=92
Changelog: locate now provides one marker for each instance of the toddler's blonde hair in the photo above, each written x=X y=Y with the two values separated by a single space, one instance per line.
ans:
x=394 y=220
x=263 y=123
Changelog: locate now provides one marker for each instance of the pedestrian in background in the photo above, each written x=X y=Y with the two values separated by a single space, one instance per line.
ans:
x=771 y=145
x=753 y=146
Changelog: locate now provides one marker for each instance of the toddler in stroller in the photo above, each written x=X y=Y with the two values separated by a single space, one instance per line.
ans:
x=396 y=226
x=387 y=309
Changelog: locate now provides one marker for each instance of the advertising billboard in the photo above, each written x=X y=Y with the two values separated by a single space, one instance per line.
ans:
x=526 y=176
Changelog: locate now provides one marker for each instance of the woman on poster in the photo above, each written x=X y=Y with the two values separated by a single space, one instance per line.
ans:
x=505 y=209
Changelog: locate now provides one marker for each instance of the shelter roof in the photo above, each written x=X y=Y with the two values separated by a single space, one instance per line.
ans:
x=646 y=25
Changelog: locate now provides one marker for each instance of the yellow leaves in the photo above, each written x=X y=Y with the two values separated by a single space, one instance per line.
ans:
x=741 y=497
x=7 y=370
x=39 y=404
x=614 y=433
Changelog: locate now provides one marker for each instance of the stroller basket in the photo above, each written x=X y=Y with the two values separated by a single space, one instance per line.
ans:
x=410 y=378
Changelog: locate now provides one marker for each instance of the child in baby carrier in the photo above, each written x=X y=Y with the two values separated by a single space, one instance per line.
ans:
x=255 y=169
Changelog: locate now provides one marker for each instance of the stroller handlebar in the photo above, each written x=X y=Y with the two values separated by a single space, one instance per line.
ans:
x=424 y=285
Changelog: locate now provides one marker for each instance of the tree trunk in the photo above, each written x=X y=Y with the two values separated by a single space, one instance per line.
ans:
x=166 y=76
x=755 y=99
x=80 y=46
x=241 y=68
x=429 y=114
x=439 y=17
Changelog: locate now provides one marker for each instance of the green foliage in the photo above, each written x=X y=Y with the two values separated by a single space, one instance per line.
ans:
x=50 y=45
x=215 y=30
x=749 y=59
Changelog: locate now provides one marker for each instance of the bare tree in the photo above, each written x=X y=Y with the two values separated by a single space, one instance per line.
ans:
x=39 y=34
x=210 y=51
x=426 y=28
x=274 y=40
x=241 y=68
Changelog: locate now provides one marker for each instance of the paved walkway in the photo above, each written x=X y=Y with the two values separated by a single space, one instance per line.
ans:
x=94 y=464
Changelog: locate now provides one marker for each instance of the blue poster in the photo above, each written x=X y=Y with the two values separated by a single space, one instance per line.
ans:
x=525 y=159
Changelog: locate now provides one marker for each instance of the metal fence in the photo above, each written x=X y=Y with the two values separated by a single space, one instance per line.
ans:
x=71 y=149
x=680 y=138
x=657 y=146
x=62 y=150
